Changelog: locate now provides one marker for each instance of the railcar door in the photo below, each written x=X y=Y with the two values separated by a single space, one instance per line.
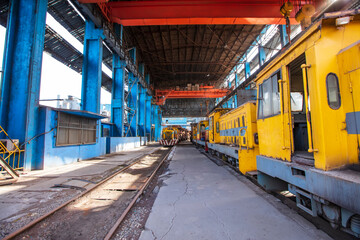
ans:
x=300 y=112
x=349 y=66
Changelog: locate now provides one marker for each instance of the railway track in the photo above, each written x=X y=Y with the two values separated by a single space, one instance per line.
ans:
x=98 y=212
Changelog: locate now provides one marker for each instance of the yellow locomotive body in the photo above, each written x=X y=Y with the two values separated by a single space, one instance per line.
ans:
x=238 y=127
x=308 y=120
x=169 y=136
x=214 y=123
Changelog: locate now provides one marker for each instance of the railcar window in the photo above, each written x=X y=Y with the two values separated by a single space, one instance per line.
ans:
x=333 y=91
x=297 y=101
x=269 y=97
x=217 y=127
x=239 y=122
x=211 y=123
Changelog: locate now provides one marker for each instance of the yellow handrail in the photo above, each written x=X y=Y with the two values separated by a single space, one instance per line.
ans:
x=304 y=72
x=280 y=81
x=13 y=156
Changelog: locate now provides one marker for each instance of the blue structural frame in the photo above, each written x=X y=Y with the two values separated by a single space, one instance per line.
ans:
x=91 y=73
x=133 y=105
x=148 y=111
x=20 y=87
x=36 y=126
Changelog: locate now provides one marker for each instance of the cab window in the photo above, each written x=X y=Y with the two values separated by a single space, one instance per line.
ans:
x=333 y=91
x=269 y=97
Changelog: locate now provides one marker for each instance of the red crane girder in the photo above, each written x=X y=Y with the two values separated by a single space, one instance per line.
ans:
x=162 y=95
x=185 y=12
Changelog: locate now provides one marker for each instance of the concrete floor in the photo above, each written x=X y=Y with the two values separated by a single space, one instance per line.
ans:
x=200 y=200
x=34 y=194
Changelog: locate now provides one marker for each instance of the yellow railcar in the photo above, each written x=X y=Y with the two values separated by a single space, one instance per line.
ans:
x=193 y=133
x=323 y=67
x=238 y=128
x=308 y=120
x=214 y=124
x=201 y=130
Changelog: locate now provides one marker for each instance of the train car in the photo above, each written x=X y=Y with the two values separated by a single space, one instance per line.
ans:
x=238 y=128
x=202 y=130
x=214 y=124
x=193 y=133
x=309 y=123
x=169 y=136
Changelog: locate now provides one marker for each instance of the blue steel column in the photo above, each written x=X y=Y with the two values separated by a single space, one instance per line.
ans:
x=142 y=105
x=118 y=91
x=91 y=71
x=160 y=121
x=148 y=111
x=153 y=117
x=236 y=84
x=20 y=86
x=148 y=117
x=284 y=39
x=142 y=109
x=157 y=123
x=133 y=105
x=117 y=101
x=247 y=70
x=262 y=55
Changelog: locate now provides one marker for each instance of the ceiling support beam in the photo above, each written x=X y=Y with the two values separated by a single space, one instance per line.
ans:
x=172 y=12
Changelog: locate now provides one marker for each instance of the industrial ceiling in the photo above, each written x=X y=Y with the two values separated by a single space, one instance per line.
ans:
x=198 y=54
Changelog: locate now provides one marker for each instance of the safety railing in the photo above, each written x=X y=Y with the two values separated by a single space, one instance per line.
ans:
x=10 y=152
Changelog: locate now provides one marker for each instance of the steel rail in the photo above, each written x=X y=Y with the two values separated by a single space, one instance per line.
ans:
x=124 y=214
x=34 y=222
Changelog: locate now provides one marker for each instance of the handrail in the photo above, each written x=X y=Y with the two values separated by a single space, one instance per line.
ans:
x=309 y=129
x=280 y=81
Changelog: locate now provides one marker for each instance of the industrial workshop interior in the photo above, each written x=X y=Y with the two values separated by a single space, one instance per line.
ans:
x=180 y=119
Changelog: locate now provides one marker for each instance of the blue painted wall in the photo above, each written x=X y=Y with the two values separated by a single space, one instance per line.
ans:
x=118 y=144
x=51 y=155
x=56 y=156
